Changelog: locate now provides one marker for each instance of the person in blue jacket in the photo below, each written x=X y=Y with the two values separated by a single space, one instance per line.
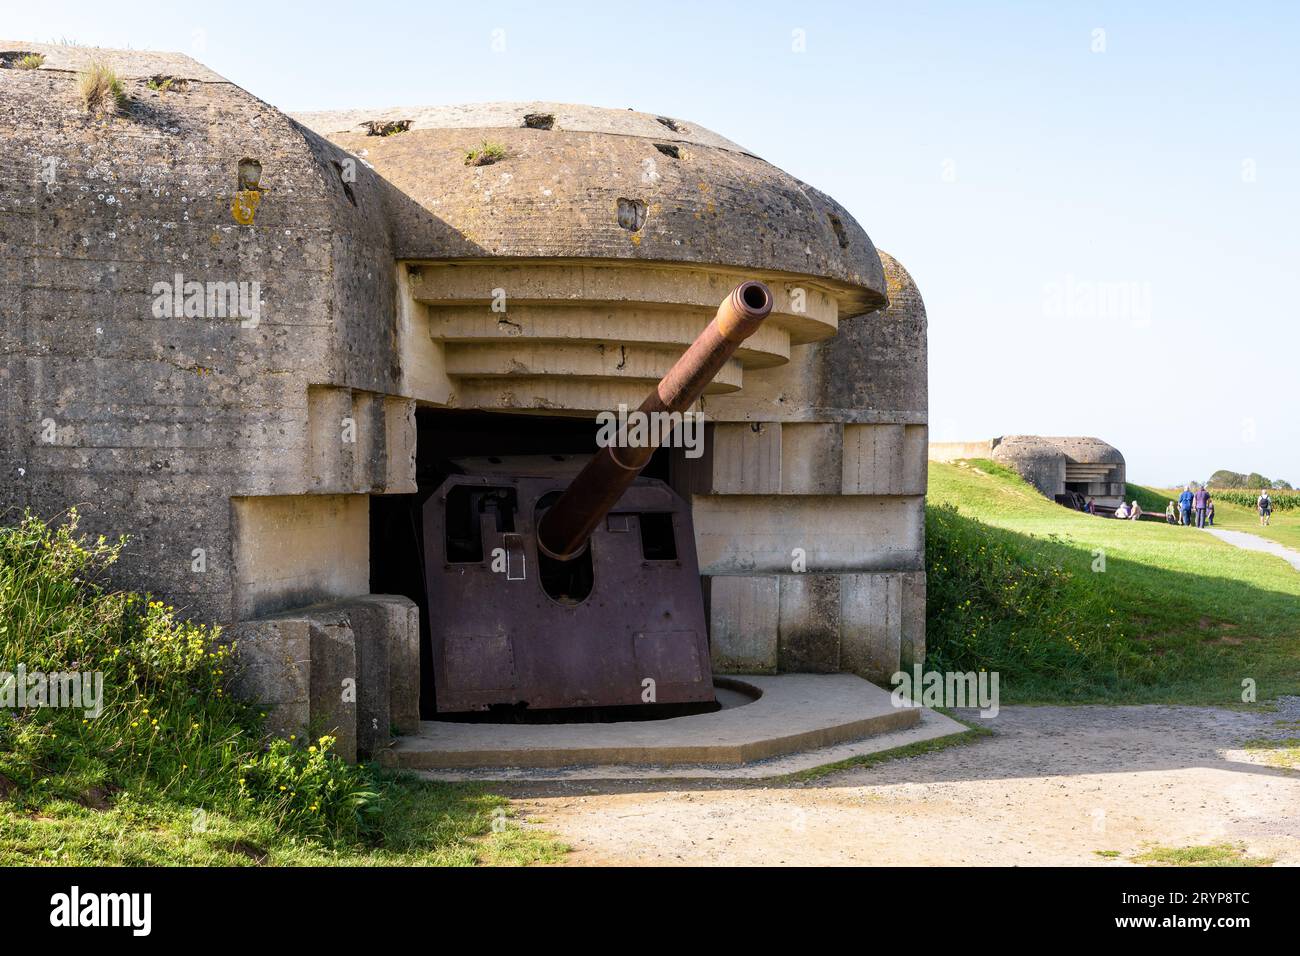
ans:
x=1185 y=506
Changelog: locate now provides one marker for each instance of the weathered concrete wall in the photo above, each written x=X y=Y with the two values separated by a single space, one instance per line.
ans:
x=950 y=451
x=809 y=501
x=150 y=421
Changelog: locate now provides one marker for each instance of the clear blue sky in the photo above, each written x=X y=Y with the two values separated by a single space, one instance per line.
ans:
x=1106 y=240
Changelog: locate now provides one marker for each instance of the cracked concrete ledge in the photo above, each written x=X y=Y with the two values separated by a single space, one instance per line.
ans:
x=800 y=722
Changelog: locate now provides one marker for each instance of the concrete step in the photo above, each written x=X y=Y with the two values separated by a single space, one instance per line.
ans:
x=791 y=713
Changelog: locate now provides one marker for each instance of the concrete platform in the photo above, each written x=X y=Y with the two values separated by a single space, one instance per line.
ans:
x=793 y=713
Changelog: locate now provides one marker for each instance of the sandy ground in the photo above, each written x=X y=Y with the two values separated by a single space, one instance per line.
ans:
x=1053 y=785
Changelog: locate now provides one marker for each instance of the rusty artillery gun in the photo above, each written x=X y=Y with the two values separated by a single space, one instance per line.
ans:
x=554 y=587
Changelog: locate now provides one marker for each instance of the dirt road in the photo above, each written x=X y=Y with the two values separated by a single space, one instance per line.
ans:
x=1053 y=785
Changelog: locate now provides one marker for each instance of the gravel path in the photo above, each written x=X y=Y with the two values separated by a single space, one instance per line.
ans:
x=1053 y=785
x=1253 y=542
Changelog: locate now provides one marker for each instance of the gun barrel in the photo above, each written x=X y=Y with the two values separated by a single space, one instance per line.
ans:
x=567 y=526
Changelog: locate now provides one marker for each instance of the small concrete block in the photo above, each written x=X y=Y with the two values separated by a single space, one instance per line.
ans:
x=915 y=455
x=374 y=620
x=912 y=641
x=768 y=534
x=273 y=670
x=743 y=619
x=295 y=550
x=745 y=458
x=809 y=634
x=812 y=458
x=870 y=626
x=330 y=458
x=399 y=446
x=873 y=459
x=333 y=685
x=404 y=673
x=369 y=462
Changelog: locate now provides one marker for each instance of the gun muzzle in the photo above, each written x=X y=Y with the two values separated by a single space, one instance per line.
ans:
x=566 y=527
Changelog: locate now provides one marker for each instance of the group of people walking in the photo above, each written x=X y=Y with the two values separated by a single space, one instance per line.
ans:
x=1194 y=505
x=1198 y=503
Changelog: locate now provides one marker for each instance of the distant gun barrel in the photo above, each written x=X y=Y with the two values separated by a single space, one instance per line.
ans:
x=567 y=526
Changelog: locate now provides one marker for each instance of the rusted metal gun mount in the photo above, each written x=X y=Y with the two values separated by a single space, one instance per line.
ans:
x=552 y=587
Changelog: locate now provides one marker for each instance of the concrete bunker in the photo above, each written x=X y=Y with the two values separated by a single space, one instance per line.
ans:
x=1066 y=470
x=415 y=313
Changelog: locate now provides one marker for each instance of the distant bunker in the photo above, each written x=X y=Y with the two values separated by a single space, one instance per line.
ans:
x=1066 y=470
x=329 y=372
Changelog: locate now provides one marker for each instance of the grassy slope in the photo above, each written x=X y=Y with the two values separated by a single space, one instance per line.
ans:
x=172 y=769
x=1177 y=616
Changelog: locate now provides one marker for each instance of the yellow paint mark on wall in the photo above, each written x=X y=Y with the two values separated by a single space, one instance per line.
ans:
x=244 y=207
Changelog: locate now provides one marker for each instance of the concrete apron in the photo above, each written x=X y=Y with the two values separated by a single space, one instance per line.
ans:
x=796 y=722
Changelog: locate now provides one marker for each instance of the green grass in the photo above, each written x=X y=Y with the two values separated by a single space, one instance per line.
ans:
x=1218 y=854
x=485 y=154
x=101 y=89
x=1283 y=753
x=172 y=768
x=1283 y=526
x=1176 y=616
x=423 y=824
x=969 y=736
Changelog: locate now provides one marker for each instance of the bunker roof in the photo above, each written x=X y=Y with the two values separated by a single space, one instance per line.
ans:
x=127 y=64
x=539 y=181
x=1080 y=449
x=555 y=180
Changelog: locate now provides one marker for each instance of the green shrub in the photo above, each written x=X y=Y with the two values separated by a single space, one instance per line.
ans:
x=992 y=604
x=169 y=725
x=307 y=789
x=485 y=154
